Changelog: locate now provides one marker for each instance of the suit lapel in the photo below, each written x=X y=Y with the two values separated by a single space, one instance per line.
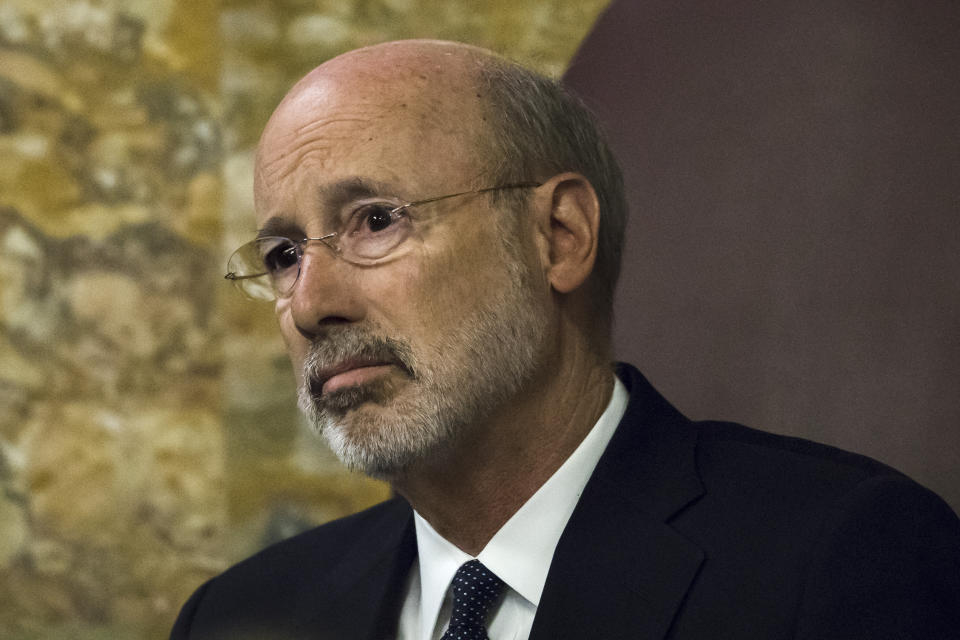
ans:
x=620 y=570
x=363 y=599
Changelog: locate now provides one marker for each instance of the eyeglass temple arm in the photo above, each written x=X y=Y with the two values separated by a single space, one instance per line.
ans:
x=517 y=185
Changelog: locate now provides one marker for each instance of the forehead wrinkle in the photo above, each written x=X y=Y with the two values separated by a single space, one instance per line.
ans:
x=318 y=140
x=281 y=168
x=364 y=117
x=323 y=135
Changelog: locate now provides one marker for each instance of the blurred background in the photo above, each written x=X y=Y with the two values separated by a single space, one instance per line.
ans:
x=792 y=259
x=148 y=431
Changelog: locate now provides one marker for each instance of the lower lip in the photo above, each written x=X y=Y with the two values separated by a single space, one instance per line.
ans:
x=354 y=377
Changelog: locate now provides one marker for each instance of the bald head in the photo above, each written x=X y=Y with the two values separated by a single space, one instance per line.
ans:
x=401 y=94
x=421 y=61
x=420 y=74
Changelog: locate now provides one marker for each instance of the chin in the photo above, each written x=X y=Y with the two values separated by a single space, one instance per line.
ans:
x=376 y=445
x=375 y=429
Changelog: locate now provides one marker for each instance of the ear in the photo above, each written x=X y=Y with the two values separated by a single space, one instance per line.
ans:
x=568 y=223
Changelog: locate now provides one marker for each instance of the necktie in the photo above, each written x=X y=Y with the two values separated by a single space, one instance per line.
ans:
x=475 y=589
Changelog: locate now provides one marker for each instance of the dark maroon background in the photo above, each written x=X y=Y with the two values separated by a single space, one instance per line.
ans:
x=793 y=252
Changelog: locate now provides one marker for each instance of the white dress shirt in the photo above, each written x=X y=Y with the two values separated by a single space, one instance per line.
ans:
x=519 y=553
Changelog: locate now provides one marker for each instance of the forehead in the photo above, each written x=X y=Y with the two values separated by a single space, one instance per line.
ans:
x=415 y=127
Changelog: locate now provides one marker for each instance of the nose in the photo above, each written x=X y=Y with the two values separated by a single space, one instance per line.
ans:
x=325 y=293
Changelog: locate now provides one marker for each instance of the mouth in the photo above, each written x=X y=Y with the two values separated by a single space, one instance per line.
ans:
x=349 y=373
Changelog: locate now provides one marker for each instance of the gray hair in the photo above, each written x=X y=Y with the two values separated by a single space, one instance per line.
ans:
x=540 y=129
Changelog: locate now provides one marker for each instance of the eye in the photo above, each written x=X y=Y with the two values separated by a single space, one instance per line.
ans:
x=279 y=254
x=374 y=217
x=373 y=230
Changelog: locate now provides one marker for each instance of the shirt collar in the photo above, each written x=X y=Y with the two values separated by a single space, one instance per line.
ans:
x=521 y=551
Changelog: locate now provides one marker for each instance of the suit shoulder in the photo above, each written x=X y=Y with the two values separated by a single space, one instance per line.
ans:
x=788 y=497
x=287 y=565
x=325 y=544
x=277 y=587
x=734 y=451
x=792 y=484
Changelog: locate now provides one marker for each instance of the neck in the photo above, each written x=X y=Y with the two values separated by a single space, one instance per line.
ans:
x=471 y=490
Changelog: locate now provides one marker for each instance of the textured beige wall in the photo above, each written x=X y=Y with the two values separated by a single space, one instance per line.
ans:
x=148 y=435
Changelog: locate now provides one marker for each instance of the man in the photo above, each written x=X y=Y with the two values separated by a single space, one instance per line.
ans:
x=439 y=229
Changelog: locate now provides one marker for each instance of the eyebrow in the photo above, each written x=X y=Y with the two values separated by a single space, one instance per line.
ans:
x=330 y=198
x=339 y=193
x=276 y=226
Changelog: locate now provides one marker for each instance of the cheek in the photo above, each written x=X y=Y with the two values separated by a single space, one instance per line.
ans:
x=400 y=297
x=425 y=296
x=296 y=344
x=461 y=279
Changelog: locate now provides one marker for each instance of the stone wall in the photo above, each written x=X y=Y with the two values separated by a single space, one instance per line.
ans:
x=148 y=431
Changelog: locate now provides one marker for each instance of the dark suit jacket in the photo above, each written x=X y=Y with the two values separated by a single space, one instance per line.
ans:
x=685 y=530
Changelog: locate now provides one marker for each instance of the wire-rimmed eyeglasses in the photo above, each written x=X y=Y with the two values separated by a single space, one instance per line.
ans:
x=269 y=267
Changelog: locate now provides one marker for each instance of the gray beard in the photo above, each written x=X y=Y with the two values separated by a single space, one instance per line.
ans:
x=384 y=427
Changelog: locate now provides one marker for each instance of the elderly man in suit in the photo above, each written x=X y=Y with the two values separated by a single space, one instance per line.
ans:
x=440 y=232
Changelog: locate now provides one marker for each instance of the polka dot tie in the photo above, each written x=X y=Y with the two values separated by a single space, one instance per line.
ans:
x=475 y=589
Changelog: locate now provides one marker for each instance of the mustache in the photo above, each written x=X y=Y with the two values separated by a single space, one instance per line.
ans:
x=355 y=345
